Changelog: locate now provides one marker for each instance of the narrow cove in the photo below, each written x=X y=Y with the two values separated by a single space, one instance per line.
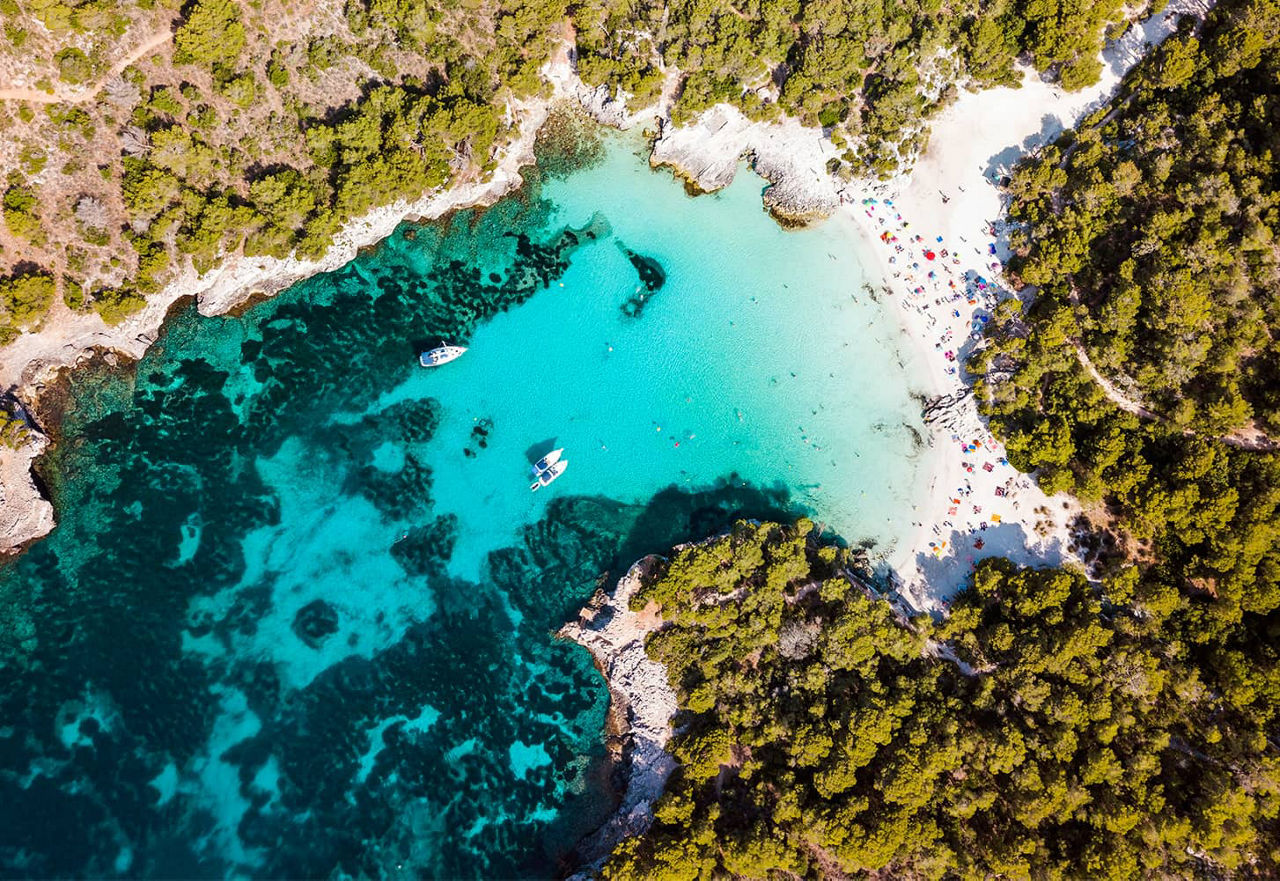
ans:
x=296 y=618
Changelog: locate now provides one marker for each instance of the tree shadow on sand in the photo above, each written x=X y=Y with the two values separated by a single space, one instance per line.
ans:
x=951 y=571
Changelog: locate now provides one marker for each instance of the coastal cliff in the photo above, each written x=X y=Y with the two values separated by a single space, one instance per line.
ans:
x=25 y=514
x=642 y=703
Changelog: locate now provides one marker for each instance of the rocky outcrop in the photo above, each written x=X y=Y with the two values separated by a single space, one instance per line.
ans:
x=603 y=105
x=25 y=514
x=791 y=156
x=642 y=704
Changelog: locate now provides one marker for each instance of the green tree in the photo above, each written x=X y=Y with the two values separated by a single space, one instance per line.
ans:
x=211 y=34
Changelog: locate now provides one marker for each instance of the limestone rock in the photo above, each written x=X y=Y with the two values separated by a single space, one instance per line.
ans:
x=642 y=705
x=792 y=157
x=25 y=515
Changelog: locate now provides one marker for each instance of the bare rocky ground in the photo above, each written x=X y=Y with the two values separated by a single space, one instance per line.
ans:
x=642 y=703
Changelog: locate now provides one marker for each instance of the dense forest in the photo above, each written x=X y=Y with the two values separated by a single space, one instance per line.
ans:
x=1151 y=235
x=262 y=127
x=1053 y=725
x=1195 y=510
x=1045 y=729
x=1153 y=229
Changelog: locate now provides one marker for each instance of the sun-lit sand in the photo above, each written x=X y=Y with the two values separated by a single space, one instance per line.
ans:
x=950 y=207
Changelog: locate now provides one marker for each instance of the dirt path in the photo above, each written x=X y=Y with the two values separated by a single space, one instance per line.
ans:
x=1114 y=394
x=150 y=44
x=1250 y=438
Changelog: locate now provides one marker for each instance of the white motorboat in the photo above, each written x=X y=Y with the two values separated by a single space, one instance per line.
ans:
x=442 y=355
x=547 y=461
x=546 y=477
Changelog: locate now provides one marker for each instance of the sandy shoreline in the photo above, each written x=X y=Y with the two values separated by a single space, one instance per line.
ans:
x=981 y=134
x=951 y=202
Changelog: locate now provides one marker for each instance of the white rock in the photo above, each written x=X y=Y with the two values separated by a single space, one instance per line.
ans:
x=642 y=704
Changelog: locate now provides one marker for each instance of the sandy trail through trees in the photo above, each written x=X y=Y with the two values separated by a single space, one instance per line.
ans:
x=1250 y=438
x=153 y=42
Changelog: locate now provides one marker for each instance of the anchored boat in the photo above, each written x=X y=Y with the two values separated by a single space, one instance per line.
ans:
x=547 y=476
x=442 y=355
x=547 y=461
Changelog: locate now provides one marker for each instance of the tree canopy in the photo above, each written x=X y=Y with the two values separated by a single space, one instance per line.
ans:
x=1040 y=731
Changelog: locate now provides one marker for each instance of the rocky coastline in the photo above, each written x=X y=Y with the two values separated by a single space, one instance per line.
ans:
x=32 y=363
x=706 y=153
x=641 y=705
x=790 y=156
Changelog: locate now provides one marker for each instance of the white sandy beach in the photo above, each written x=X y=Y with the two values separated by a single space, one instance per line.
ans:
x=950 y=206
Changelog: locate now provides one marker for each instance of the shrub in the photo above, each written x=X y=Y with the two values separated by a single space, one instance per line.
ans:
x=117 y=304
x=19 y=214
x=26 y=296
x=73 y=66
x=13 y=431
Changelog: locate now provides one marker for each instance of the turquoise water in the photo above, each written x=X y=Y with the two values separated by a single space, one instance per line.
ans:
x=297 y=618
x=761 y=355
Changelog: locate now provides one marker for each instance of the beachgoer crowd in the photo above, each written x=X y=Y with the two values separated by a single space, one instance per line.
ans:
x=953 y=286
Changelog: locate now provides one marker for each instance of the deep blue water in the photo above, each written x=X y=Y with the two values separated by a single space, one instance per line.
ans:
x=296 y=618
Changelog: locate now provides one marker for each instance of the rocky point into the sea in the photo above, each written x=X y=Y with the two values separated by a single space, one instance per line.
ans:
x=641 y=706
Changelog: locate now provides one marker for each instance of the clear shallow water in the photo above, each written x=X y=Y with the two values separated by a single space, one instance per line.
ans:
x=296 y=619
x=760 y=355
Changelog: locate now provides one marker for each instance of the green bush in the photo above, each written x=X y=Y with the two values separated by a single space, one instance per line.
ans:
x=26 y=296
x=13 y=430
x=73 y=66
x=241 y=89
x=20 y=216
x=117 y=304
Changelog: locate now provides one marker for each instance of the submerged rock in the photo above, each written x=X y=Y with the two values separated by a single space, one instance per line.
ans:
x=315 y=622
x=652 y=278
x=425 y=550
